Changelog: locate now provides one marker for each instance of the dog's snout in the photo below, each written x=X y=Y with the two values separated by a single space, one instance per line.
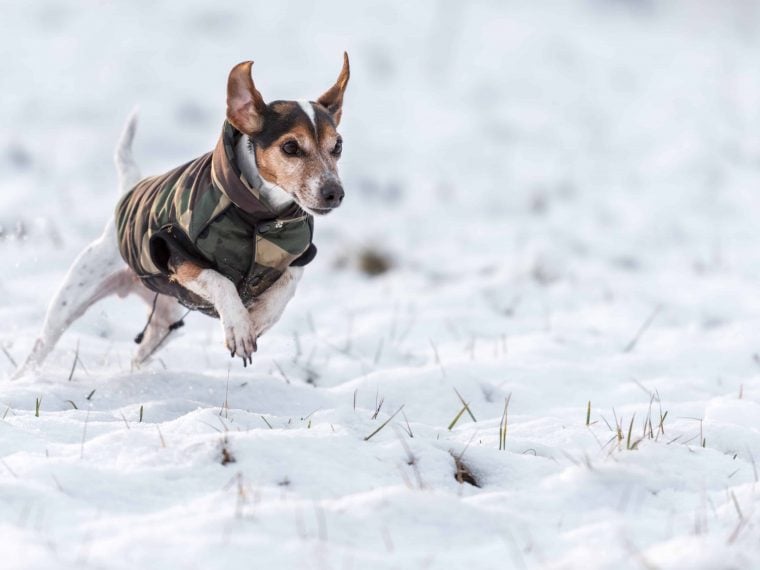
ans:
x=332 y=193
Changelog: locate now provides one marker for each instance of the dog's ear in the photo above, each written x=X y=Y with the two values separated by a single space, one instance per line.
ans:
x=245 y=105
x=332 y=100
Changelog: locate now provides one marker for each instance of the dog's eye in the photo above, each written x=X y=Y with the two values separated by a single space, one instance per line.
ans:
x=290 y=148
x=338 y=148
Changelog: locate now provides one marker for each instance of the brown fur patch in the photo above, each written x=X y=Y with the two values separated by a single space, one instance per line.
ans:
x=327 y=135
x=186 y=272
x=282 y=107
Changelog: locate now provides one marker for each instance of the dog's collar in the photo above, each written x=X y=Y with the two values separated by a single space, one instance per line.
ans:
x=230 y=181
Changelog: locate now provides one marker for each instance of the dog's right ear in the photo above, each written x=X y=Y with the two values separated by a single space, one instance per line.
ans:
x=245 y=105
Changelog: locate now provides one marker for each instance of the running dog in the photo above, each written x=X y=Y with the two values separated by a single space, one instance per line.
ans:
x=227 y=234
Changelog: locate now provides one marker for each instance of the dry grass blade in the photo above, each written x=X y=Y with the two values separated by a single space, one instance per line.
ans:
x=8 y=356
x=735 y=534
x=225 y=409
x=503 y=424
x=385 y=423
x=466 y=447
x=408 y=427
x=661 y=426
x=74 y=364
x=435 y=352
x=378 y=407
x=736 y=504
x=281 y=371
x=618 y=426
x=642 y=329
x=11 y=471
x=456 y=418
x=630 y=429
x=411 y=460
x=466 y=405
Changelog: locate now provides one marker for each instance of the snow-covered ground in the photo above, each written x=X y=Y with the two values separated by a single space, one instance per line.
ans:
x=570 y=195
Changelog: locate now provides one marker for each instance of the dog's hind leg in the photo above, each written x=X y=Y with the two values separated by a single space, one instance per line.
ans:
x=98 y=272
x=165 y=314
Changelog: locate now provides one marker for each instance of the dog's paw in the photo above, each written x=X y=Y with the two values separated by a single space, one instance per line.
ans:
x=240 y=338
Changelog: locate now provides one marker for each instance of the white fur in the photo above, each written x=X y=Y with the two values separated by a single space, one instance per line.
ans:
x=239 y=333
x=313 y=184
x=126 y=167
x=269 y=306
x=95 y=274
x=308 y=108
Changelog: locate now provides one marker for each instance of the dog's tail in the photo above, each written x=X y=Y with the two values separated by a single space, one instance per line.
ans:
x=126 y=167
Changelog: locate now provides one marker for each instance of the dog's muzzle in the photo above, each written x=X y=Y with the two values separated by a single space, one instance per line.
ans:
x=332 y=194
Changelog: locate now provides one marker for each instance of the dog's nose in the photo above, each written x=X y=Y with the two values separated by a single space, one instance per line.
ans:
x=332 y=193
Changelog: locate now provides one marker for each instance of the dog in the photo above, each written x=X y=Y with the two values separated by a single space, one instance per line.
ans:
x=227 y=234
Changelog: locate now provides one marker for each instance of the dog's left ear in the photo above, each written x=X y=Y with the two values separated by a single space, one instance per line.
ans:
x=245 y=105
x=332 y=100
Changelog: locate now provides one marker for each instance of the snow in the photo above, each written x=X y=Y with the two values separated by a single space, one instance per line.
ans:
x=546 y=177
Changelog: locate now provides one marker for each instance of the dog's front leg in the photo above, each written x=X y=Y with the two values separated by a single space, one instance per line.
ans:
x=212 y=286
x=268 y=307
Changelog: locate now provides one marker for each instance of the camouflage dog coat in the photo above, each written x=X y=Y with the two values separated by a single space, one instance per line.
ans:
x=207 y=212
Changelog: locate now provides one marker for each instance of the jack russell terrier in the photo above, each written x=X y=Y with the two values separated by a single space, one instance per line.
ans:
x=226 y=234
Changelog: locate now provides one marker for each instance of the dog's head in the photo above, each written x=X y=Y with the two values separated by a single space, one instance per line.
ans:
x=295 y=144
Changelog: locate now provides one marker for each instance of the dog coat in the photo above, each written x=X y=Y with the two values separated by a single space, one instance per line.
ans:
x=207 y=212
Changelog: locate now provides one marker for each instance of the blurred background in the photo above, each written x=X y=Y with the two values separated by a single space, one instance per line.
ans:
x=609 y=147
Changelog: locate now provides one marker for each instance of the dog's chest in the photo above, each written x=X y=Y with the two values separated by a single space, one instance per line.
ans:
x=254 y=255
